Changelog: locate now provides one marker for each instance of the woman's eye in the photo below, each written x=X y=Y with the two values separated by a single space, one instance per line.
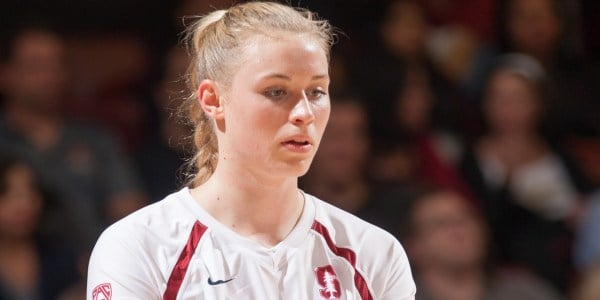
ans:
x=275 y=93
x=316 y=93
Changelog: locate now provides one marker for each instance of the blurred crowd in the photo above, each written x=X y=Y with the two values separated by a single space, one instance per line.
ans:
x=468 y=129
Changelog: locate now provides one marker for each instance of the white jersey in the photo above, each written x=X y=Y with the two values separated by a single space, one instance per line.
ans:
x=174 y=249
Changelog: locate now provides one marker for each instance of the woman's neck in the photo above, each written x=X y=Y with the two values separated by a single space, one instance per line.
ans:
x=263 y=210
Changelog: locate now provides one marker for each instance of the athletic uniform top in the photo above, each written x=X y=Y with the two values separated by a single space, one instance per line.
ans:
x=174 y=249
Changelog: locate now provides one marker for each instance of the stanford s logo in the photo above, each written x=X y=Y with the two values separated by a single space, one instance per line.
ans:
x=327 y=279
x=102 y=292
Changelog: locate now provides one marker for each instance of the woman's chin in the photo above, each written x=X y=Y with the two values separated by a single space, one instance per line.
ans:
x=296 y=169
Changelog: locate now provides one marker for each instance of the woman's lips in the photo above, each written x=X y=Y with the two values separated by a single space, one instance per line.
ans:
x=300 y=146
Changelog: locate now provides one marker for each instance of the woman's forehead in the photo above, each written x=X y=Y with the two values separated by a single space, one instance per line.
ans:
x=278 y=56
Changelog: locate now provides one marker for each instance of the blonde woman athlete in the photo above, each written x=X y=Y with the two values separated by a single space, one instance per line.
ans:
x=242 y=229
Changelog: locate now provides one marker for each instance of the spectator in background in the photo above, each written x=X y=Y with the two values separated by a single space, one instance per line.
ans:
x=33 y=265
x=536 y=28
x=94 y=181
x=458 y=41
x=399 y=55
x=162 y=156
x=446 y=240
x=546 y=30
x=418 y=149
x=112 y=82
x=410 y=102
x=404 y=32
x=528 y=190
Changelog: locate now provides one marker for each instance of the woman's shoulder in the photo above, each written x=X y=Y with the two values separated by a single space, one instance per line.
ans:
x=134 y=251
x=164 y=218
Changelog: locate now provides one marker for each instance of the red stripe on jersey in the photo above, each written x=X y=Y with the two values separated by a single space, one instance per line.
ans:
x=349 y=255
x=183 y=262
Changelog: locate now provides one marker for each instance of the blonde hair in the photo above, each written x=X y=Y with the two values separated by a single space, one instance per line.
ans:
x=215 y=41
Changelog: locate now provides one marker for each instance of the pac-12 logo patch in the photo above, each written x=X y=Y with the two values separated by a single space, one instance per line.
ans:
x=327 y=279
x=102 y=292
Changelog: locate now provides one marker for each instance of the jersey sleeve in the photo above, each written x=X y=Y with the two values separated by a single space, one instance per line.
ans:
x=117 y=269
x=395 y=282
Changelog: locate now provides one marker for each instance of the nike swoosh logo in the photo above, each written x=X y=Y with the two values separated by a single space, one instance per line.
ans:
x=217 y=282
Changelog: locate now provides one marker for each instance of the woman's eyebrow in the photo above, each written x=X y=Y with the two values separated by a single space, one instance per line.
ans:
x=285 y=77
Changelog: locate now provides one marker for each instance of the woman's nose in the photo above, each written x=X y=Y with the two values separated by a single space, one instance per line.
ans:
x=302 y=113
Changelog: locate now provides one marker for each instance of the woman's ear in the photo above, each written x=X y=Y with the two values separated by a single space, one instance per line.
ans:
x=209 y=99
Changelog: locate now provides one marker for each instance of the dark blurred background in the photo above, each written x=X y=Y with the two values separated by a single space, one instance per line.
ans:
x=469 y=129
